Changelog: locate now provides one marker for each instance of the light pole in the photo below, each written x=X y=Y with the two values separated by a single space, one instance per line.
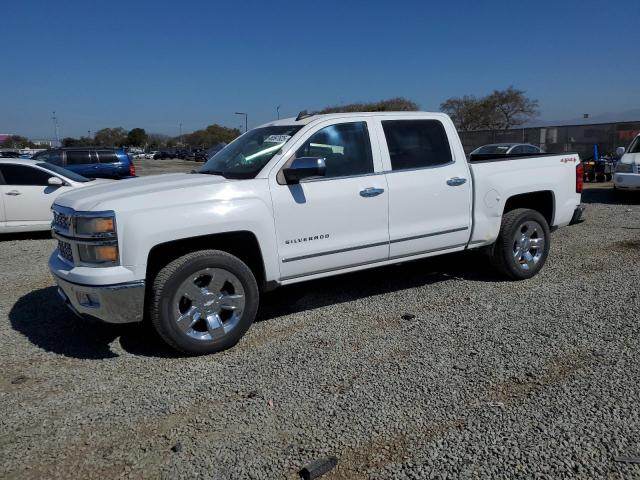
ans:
x=278 y=111
x=180 y=137
x=246 y=120
x=55 y=127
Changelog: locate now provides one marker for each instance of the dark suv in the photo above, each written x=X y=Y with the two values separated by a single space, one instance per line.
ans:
x=92 y=162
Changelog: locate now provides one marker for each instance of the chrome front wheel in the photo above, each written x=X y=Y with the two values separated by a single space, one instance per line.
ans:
x=209 y=304
x=203 y=302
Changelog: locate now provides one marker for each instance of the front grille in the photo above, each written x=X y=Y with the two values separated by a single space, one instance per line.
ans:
x=64 y=249
x=61 y=221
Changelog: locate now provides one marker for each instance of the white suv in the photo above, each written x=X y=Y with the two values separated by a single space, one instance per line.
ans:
x=627 y=174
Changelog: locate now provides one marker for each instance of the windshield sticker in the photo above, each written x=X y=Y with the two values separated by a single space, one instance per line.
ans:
x=277 y=138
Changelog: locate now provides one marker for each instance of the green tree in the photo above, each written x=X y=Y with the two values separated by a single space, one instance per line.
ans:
x=398 y=104
x=17 y=141
x=211 y=135
x=136 y=137
x=111 y=137
x=76 y=142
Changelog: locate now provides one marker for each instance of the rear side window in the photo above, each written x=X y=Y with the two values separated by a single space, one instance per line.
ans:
x=345 y=147
x=416 y=143
x=78 y=157
x=108 y=156
x=23 y=175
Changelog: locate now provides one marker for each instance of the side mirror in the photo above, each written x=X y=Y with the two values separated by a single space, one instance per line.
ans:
x=55 y=182
x=620 y=151
x=304 y=167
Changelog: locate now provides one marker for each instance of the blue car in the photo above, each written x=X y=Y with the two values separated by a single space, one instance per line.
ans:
x=91 y=162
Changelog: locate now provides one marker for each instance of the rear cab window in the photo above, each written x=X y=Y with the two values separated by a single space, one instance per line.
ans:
x=415 y=144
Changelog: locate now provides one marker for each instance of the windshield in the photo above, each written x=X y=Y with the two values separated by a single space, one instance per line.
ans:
x=248 y=154
x=64 y=172
x=635 y=146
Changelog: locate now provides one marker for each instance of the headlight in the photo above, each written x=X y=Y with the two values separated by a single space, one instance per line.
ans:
x=624 y=168
x=96 y=226
x=98 y=253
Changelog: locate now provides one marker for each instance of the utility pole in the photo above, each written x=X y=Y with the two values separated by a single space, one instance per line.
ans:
x=246 y=120
x=55 y=127
x=180 y=137
x=278 y=111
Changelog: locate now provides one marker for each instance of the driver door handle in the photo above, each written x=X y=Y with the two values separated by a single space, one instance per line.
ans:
x=14 y=193
x=455 y=181
x=371 y=192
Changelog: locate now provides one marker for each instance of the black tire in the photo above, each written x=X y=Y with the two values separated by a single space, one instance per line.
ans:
x=516 y=223
x=165 y=290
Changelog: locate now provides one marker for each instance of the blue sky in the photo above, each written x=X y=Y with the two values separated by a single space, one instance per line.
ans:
x=156 y=64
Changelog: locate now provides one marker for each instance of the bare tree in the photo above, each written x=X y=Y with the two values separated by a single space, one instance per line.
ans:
x=398 y=104
x=502 y=109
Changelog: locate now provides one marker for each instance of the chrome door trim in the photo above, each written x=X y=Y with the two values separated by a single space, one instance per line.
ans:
x=377 y=244
x=416 y=237
x=331 y=252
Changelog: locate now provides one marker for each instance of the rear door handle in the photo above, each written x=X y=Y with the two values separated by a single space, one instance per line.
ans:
x=14 y=193
x=455 y=181
x=371 y=192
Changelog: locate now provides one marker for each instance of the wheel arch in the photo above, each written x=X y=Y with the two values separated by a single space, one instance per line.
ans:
x=542 y=201
x=242 y=244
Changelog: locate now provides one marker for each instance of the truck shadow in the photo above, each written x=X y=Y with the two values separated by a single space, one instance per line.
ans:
x=42 y=318
x=345 y=288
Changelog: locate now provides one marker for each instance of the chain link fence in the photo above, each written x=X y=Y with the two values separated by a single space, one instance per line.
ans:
x=568 y=138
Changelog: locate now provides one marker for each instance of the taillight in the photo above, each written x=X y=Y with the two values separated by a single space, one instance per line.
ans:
x=132 y=170
x=579 y=177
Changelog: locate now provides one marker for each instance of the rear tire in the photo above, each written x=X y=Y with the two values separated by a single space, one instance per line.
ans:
x=523 y=244
x=203 y=302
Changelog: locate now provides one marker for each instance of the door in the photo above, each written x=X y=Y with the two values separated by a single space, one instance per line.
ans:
x=82 y=162
x=27 y=195
x=429 y=189
x=338 y=220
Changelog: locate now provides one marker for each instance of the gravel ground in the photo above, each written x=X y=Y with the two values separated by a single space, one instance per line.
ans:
x=491 y=379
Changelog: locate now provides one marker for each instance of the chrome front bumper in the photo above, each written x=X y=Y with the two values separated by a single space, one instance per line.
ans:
x=121 y=303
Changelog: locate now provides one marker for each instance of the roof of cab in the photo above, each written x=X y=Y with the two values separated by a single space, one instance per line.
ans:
x=330 y=116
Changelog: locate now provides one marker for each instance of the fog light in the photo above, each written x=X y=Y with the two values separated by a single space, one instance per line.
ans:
x=87 y=300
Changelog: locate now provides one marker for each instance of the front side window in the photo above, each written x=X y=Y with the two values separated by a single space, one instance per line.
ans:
x=23 y=175
x=416 y=143
x=78 y=157
x=345 y=147
x=635 y=146
x=249 y=153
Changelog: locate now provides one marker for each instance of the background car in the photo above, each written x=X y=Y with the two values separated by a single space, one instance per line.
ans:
x=27 y=190
x=150 y=155
x=91 y=162
x=627 y=171
x=508 y=149
x=9 y=154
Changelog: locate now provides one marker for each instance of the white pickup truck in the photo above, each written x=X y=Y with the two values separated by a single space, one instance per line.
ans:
x=294 y=200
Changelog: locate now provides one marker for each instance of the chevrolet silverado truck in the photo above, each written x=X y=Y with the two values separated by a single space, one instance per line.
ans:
x=295 y=200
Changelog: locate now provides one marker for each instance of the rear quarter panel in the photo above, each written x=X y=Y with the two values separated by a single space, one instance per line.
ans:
x=497 y=181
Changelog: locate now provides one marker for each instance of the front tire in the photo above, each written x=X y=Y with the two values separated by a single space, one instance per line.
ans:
x=203 y=302
x=523 y=244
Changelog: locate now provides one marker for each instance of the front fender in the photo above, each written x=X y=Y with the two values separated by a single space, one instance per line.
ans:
x=140 y=231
